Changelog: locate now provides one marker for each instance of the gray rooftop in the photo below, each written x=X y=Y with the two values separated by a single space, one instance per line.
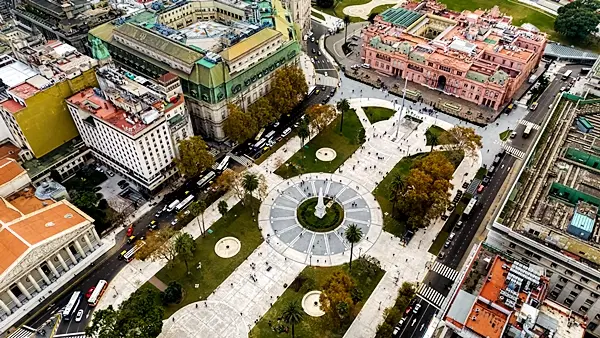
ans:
x=461 y=306
x=565 y=52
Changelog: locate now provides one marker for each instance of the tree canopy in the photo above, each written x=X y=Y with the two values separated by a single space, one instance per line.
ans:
x=336 y=298
x=185 y=247
x=140 y=316
x=578 y=19
x=239 y=126
x=465 y=138
x=325 y=3
x=288 y=87
x=194 y=156
x=320 y=115
x=158 y=246
x=303 y=130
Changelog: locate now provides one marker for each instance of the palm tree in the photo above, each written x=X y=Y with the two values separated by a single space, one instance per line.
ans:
x=396 y=189
x=342 y=105
x=222 y=206
x=353 y=235
x=346 y=22
x=197 y=209
x=185 y=247
x=292 y=314
x=250 y=183
x=303 y=131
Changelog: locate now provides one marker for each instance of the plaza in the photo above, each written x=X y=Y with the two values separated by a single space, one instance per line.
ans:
x=288 y=248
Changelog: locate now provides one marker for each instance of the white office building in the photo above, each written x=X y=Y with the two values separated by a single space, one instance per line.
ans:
x=132 y=124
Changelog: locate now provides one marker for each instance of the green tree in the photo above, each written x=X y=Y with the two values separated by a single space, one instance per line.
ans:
x=158 y=246
x=194 y=156
x=320 y=116
x=197 y=210
x=292 y=314
x=85 y=199
x=239 y=126
x=185 y=247
x=140 y=316
x=303 y=131
x=172 y=294
x=288 y=88
x=578 y=19
x=325 y=3
x=343 y=106
x=262 y=112
x=346 y=22
x=353 y=235
x=250 y=183
x=396 y=189
x=222 y=206
x=337 y=290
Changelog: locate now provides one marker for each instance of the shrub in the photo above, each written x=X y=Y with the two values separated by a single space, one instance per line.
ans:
x=172 y=294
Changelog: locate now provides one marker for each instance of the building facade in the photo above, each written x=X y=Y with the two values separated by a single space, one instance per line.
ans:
x=301 y=13
x=476 y=56
x=133 y=124
x=44 y=242
x=223 y=51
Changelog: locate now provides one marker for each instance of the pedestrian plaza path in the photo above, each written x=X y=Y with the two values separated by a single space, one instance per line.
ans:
x=249 y=292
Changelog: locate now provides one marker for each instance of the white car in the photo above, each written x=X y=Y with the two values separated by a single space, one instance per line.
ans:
x=79 y=316
x=174 y=222
x=417 y=307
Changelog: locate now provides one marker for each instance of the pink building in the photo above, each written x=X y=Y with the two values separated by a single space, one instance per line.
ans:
x=477 y=56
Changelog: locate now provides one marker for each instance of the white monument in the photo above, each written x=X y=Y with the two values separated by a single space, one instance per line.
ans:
x=320 y=208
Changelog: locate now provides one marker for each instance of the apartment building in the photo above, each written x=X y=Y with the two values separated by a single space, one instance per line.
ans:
x=133 y=124
x=550 y=216
x=301 y=12
x=475 y=56
x=500 y=297
x=45 y=241
x=222 y=50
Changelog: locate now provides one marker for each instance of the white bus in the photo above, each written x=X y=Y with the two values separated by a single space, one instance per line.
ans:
x=270 y=134
x=311 y=90
x=172 y=205
x=223 y=165
x=129 y=255
x=204 y=180
x=72 y=305
x=567 y=74
x=184 y=203
x=260 y=143
x=470 y=206
x=527 y=131
x=97 y=293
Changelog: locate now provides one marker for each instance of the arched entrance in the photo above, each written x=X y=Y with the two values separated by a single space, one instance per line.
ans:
x=441 y=83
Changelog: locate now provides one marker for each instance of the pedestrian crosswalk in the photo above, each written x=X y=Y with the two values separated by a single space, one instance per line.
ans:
x=22 y=333
x=445 y=271
x=520 y=154
x=430 y=295
x=527 y=124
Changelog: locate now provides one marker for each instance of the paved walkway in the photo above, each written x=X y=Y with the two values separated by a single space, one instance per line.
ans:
x=363 y=11
x=329 y=21
x=160 y=285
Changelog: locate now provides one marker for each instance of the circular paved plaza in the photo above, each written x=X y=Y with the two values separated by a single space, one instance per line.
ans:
x=278 y=219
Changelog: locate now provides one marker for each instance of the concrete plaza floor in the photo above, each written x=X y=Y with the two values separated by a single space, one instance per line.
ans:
x=248 y=293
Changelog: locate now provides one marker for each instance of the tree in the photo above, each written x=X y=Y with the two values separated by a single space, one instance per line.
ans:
x=578 y=19
x=172 y=294
x=119 y=213
x=346 y=22
x=320 y=115
x=185 y=247
x=353 y=235
x=194 y=156
x=464 y=137
x=337 y=291
x=222 y=206
x=263 y=187
x=371 y=17
x=239 y=126
x=140 y=316
x=436 y=165
x=158 y=246
x=292 y=314
x=262 y=112
x=197 y=209
x=303 y=131
x=325 y=3
x=226 y=179
x=396 y=188
x=343 y=106
x=85 y=199
x=250 y=183
x=288 y=88
x=237 y=186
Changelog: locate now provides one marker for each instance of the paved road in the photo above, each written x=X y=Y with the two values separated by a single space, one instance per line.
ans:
x=471 y=225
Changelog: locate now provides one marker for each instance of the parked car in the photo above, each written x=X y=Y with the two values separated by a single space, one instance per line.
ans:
x=158 y=213
x=313 y=51
x=174 y=222
x=110 y=173
x=129 y=231
x=480 y=188
x=417 y=307
x=130 y=239
x=458 y=225
x=486 y=180
x=153 y=225
x=441 y=255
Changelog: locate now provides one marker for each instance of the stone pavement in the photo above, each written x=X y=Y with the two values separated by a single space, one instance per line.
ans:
x=363 y=11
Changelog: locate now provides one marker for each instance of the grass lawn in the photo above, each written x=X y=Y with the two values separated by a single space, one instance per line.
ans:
x=314 y=278
x=376 y=114
x=238 y=223
x=317 y=15
x=433 y=134
x=438 y=244
x=345 y=144
x=381 y=8
x=275 y=147
x=481 y=173
x=505 y=134
x=382 y=191
x=338 y=9
x=454 y=217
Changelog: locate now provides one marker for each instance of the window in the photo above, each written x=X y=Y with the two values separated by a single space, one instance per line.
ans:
x=460 y=74
x=553 y=265
x=446 y=69
x=583 y=309
x=569 y=272
x=578 y=287
x=589 y=302
x=512 y=245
